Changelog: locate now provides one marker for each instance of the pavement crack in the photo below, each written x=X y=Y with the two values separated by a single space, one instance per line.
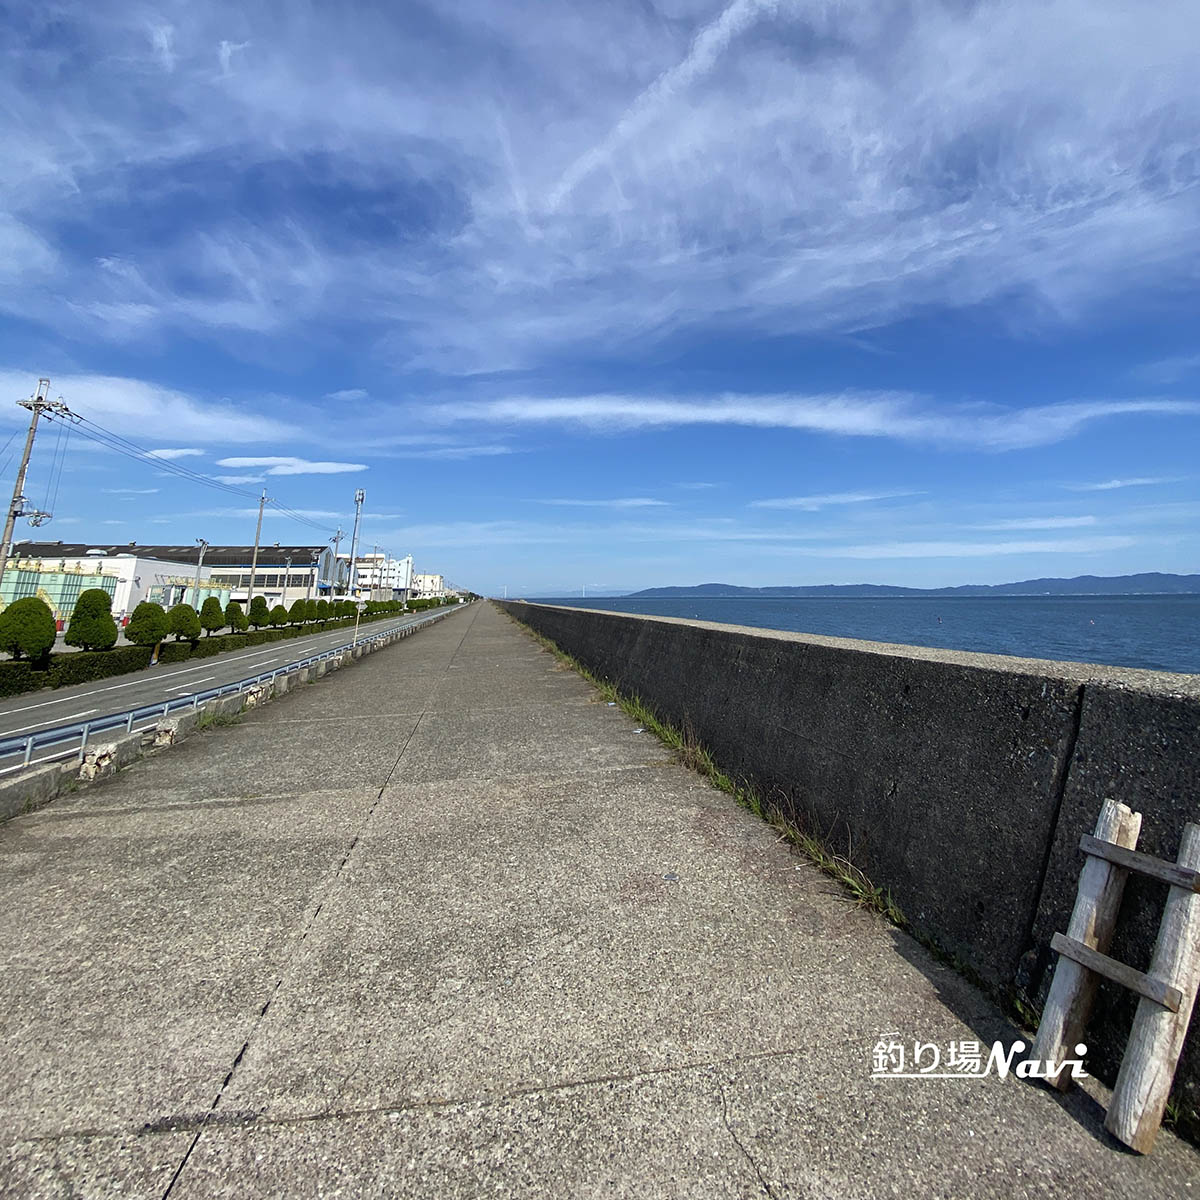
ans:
x=737 y=1141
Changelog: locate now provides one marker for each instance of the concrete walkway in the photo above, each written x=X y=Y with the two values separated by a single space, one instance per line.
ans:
x=445 y=924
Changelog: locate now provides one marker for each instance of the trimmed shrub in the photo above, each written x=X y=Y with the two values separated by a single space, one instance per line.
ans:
x=260 y=614
x=27 y=628
x=184 y=622
x=211 y=616
x=323 y=613
x=298 y=613
x=176 y=651
x=18 y=677
x=310 y=610
x=235 y=617
x=92 y=626
x=279 y=615
x=86 y=666
x=148 y=624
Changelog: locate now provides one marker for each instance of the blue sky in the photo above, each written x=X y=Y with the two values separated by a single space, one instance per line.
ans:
x=623 y=294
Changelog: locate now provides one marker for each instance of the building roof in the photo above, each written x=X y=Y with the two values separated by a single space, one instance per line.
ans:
x=214 y=556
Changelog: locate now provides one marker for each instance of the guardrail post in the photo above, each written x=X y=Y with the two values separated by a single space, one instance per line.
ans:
x=129 y=722
x=28 y=751
x=87 y=726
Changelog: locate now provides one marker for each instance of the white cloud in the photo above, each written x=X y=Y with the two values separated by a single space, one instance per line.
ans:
x=896 y=415
x=622 y=502
x=347 y=394
x=766 y=167
x=1038 y=523
x=131 y=491
x=814 y=503
x=138 y=409
x=955 y=549
x=284 y=465
x=173 y=452
x=1112 y=485
x=234 y=480
x=1168 y=370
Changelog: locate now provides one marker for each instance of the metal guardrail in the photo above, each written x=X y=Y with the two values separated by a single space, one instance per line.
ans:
x=26 y=744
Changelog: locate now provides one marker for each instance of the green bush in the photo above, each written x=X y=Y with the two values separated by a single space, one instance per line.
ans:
x=211 y=616
x=184 y=622
x=18 y=677
x=298 y=613
x=235 y=617
x=92 y=626
x=279 y=616
x=323 y=613
x=27 y=628
x=310 y=610
x=148 y=624
x=175 y=652
x=85 y=667
x=260 y=615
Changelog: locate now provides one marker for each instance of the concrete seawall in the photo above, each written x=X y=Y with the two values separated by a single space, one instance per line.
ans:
x=961 y=782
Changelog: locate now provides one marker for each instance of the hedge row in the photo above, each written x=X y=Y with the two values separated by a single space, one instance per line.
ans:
x=87 y=666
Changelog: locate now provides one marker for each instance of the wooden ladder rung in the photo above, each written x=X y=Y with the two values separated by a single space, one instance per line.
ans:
x=1145 y=985
x=1142 y=864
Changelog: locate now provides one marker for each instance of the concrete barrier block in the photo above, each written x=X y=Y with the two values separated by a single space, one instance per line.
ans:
x=321 y=668
x=302 y=675
x=35 y=787
x=253 y=696
x=106 y=758
x=174 y=729
x=282 y=683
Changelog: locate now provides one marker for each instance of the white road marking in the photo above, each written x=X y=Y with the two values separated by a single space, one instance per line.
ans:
x=65 y=720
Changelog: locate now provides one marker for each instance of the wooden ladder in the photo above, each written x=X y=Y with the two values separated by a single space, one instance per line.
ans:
x=1167 y=991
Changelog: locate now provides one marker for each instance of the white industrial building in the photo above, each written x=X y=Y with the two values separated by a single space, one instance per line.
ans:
x=61 y=571
x=429 y=587
x=378 y=576
x=282 y=574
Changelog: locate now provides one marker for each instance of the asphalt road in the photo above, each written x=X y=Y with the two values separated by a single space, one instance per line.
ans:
x=35 y=711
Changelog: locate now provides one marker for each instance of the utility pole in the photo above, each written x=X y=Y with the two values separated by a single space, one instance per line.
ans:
x=359 y=497
x=337 y=541
x=287 y=579
x=37 y=404
x=262 y=503
x=199 y=563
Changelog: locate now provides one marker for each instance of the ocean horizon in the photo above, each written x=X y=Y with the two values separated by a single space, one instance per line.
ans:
x=1147 y=631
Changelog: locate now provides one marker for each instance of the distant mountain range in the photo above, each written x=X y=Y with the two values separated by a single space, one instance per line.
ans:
x=1151 y=583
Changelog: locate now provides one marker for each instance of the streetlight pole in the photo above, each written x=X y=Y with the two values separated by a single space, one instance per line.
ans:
x=37 y=404
x=199 y=563
x=287 y=579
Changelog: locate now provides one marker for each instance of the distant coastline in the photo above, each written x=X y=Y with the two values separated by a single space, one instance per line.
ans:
x=1152 y=583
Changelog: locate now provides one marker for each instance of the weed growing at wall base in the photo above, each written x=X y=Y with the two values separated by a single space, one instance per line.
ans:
x=696 y=756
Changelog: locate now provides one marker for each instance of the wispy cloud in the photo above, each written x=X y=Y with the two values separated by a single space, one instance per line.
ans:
x=283 y=465
x=956 y=549
x=170 y=452
x=1168 y=370
x=131 y=491
x=348 y=394
x=621 y=502
x=235 y=480
x=815 y=503
x=764 y=166
x=1112 y=485
x=1038 y=523
x=137 y=408
x=901 y=416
